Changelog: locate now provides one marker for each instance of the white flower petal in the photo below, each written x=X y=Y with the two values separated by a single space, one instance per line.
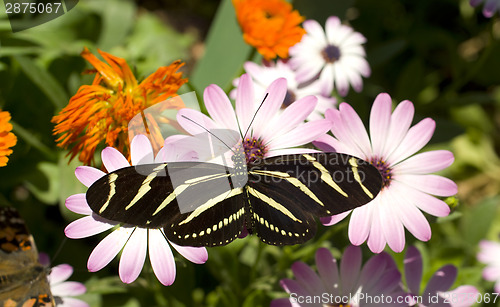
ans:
x=108 y=248
x=141 y=151
x=60 y=273
x=133 y=255
x=78 y=204
x=85 y=227
x=196 y=255
x=113 y=159
x=162 y=259
x=88 y=175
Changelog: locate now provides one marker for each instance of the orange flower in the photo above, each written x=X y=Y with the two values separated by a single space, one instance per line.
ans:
x=269 y=25
x=101 y=111
x=7 y=138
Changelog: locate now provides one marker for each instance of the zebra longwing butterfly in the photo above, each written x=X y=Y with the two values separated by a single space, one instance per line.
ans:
x=207 y=204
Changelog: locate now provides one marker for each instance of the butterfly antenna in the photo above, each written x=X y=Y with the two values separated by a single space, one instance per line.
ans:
x=253 y=118
x=208 y=132
x=58 y=251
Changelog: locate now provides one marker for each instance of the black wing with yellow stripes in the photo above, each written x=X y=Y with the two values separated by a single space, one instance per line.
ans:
x=204 y=204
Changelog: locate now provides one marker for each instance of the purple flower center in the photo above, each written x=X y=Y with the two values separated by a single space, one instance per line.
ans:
x=384 y=170
x=254 y=149
x=331 y=53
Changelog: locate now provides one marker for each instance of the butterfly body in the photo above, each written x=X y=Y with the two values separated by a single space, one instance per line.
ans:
x=23 y=279
x=207 y=204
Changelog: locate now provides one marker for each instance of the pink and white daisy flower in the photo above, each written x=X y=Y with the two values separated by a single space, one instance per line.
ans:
x=407 y=187
x=349 y=284
x=133 y=241
x=62 y=290
x=336 y=54
x=490 y=6
x=489 y=254
x=436 y=292
x=263 y=76
x=271 y=132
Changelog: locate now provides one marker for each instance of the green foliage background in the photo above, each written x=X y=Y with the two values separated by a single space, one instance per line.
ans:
x=443 y=55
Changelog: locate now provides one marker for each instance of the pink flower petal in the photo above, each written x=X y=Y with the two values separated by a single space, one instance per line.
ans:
x=328 y=270
x=341 y=82
x=113 y=159
x=426 y=162
x=292 y=116
x=85 y=227
x=373 y=270
x=78 y=204
x=276 y=95
x=345 y=143
x=388 y=283
x=356 y=129
x=108 y=248
x=161 y=257
x=468 y=296
x=133 y=255
x=334 y=219
x=302 y=134
x=292 y=286
x=361 y=221
x=60 y=273
x=401 y=120
x=315 y=30
x=72 y=302
x=327 y=79
x=350 y=268
x=423 y=201
x=192 y=121
x=431 y=184
x=415 y=139
x=442 y=280
x=376 y=238
x=219 y=107
x=141 y=151
x=69 y=288
x=412 y=218
x=413 y=270
x=393 y=227
x=196 y=255
x=88 y=175
x=331 y=27
x=380 y=120
x=307 y=278
x=245 y=107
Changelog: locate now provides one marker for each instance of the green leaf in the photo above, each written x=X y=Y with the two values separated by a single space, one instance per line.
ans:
x=225 y=51
x=49 y=193
x=44 y=80
x=477 y=221
x=68 y=183
x=118 y=18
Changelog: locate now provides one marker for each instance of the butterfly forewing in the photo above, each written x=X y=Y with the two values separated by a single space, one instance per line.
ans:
x=149 y=195
x=322 y=184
